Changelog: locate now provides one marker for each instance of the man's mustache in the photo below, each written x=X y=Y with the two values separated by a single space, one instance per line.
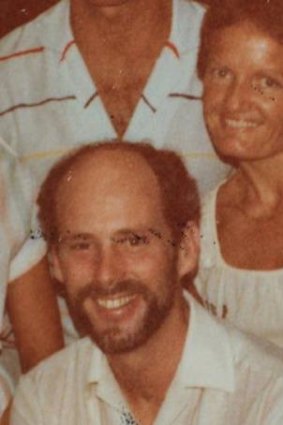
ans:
x=96 y=290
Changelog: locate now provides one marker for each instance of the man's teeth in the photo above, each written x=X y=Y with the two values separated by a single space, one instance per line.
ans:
x=110 y=304
x=240 y=123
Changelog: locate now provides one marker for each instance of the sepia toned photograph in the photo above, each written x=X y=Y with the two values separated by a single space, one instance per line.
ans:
x=141 y=212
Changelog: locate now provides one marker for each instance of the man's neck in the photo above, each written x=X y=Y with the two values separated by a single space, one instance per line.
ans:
x=145 y=374
x=132 y=18
x=109 y=39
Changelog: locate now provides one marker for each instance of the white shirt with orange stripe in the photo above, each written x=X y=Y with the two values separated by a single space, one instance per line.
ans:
x=49 y=103
x=223 y=378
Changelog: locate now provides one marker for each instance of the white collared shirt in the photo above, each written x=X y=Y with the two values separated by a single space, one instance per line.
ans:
x=50 y=104
x=223 y=378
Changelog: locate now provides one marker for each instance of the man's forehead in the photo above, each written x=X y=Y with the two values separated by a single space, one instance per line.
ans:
x=108 y=159
x=108 y=168
x=109 y=188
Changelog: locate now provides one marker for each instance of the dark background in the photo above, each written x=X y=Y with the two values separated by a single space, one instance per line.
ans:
x=16 y=12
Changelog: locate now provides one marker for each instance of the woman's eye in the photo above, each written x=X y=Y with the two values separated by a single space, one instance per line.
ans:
x=268 y=82
x=220 y=72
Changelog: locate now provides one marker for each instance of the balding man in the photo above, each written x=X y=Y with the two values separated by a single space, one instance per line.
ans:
x=120 y=222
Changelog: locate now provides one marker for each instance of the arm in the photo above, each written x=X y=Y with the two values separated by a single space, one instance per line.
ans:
x=34 y=315
x=5 y=418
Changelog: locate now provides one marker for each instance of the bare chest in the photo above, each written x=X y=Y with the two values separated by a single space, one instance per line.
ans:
x=120 y=81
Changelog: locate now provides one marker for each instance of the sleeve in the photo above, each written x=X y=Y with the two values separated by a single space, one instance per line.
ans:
x=5 y=390
x=20 y=215
x=29 y=255
x=273 y=411
x=26 y=405
x=267 y=407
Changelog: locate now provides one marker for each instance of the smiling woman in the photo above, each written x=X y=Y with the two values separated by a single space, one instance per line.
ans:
x=243 y=96
x=241 y=66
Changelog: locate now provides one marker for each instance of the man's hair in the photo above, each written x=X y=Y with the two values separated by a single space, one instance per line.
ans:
x=266 y=15
x=179 y=194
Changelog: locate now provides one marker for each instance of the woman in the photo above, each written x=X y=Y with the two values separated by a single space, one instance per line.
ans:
x=241 y=66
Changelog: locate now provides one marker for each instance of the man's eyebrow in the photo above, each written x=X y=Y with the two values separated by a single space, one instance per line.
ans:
x=68 y=236
x=214 y=58
x=155 y=232
x=132 y=231
x=137 y=232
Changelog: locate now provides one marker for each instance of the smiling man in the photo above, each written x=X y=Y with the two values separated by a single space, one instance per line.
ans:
x=120 y=221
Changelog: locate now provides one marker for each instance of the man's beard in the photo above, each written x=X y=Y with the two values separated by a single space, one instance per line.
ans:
x=112 y=341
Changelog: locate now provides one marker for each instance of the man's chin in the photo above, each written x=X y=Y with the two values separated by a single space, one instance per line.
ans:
x=122 y=328
x=112 y=343
x=123 y=339
x=116 y=338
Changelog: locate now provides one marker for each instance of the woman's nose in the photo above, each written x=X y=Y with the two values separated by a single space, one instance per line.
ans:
x=238 y=96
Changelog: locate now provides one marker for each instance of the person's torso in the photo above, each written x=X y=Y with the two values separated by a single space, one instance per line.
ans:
x=250 y=299
x=55 y=106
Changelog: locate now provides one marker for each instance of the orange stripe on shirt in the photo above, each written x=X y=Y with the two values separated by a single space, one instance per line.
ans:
x=66 y=48
x=173 y=48
x=22 y=53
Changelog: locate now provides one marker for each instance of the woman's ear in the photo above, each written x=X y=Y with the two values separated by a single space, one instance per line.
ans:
x=189 y=249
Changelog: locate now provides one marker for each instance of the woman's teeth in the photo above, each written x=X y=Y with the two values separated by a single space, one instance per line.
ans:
x=240 y=123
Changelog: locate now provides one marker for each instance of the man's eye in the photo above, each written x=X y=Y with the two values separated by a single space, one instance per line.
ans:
x=135 y=240
x=80 y=246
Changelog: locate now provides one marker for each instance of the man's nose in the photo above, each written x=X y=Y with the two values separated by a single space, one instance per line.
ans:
x=109 y=267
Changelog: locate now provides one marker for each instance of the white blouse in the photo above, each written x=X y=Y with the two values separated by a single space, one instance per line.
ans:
x=250 y=299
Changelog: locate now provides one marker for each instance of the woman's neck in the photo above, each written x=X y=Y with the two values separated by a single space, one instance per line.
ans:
x=262 y=185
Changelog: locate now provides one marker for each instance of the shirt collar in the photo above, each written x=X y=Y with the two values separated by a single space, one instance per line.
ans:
x=182 y=35
x=97 y=366
x=207 y=360
x=101 y=379
x=56 y=33
x=59 y=35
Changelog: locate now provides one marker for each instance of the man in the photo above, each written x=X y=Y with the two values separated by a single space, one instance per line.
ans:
x=89 y=70
x=120 y=223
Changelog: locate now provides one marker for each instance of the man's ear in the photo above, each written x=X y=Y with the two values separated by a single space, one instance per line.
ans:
x=189 y=249
x=54 y=264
